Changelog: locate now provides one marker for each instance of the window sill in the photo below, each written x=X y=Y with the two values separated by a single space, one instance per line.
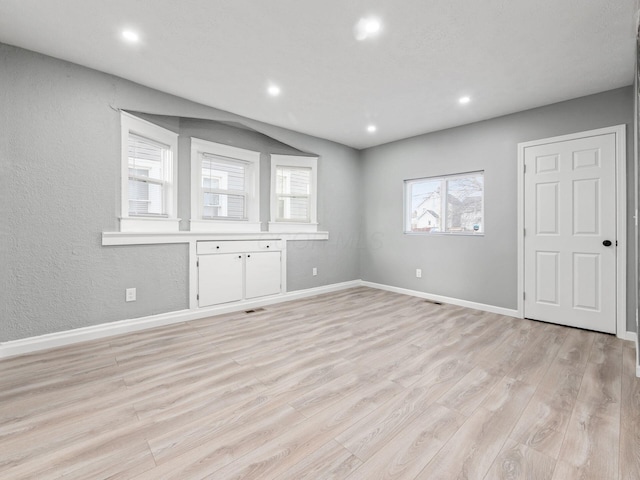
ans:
x=149 y=224
x=156 y=238
x=447 y=234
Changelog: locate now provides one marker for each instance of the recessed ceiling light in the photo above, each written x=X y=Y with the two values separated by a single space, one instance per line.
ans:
x=372 y=26
x=130 y=36
x=464 y=100
x=273 y=90
x=367 y=28
x=371 y=128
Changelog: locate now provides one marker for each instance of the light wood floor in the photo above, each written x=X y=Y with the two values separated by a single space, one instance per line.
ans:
x=361 y=384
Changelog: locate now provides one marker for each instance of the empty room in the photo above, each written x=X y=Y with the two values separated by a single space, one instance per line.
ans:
x=319 y=240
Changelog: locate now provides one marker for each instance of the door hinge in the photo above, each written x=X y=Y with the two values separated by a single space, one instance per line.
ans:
x=197 y=263
x=197 y=296
x=524 y=170
x=524 y=232
x=616 y=243
x=524 y=296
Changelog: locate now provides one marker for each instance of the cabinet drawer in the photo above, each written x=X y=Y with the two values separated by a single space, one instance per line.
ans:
x=237 y=246
x=269 y=245
x=205 y=248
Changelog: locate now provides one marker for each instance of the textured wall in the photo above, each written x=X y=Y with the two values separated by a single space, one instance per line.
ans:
x=340 y=179
x=480 y=269
x=60 y=149
x=61 y=145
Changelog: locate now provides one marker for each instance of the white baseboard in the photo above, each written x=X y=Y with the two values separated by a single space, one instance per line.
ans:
x=310 y=292
x=94 y=332
x=637 y=356
x=440 y=298
x=68 y=337
x=626 y=335
x=630 y=336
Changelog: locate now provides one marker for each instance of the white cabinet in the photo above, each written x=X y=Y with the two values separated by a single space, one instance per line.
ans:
x=262 y=274
x=220 y=278
x=229 y=271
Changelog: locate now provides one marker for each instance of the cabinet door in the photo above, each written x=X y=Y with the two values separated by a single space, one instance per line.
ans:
x=219 y=279
x=263 y=271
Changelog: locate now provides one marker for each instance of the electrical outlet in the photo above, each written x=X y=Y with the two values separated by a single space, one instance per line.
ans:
x=314 y=272
x=418 y=273
x=130 y=295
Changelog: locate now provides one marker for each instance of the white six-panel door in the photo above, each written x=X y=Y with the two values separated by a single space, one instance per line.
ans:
x=569 y=219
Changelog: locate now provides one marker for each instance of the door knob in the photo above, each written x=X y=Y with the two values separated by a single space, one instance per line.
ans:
x=607 y=243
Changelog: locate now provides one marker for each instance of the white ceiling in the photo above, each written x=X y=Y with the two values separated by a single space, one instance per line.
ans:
x=507 y=55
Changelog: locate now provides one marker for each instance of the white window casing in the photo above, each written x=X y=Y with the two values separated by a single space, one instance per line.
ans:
x=294 y=194
x=448 y=204
x=148 y=177
x=225 y=188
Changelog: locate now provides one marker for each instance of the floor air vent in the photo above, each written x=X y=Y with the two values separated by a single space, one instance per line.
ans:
x=254 y=310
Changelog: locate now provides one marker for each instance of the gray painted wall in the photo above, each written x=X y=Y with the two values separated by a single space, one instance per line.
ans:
x=484 y=268
x=60 y=153
x=59 y=149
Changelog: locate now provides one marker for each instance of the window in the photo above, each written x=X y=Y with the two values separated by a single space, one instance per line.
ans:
x=149 y=201
x=293 y=194
x=451 y=204
x=224 y=187
x=146 y=176
x=211 y=203
x=293 y=186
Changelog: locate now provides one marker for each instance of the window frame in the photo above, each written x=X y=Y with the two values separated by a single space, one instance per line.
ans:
x=292 y=226
x=168 y=221
x=408 y=210
x=251 y=160
x=135 y=177
x=280 y=196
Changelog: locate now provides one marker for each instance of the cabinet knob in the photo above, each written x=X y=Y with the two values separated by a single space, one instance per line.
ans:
x=239 y=256
x=218 y=246
x=267 y=246
x=248 y=256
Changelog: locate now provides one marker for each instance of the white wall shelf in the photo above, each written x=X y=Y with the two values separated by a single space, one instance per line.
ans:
x=150 y=238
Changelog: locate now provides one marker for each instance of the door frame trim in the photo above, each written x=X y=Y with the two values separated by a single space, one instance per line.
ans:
x=621 y=216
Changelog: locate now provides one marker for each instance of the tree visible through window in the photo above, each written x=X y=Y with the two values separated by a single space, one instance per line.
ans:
x=449 y=204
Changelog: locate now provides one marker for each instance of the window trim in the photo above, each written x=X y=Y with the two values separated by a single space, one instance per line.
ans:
x=408 y=210
x=280 y=196
x=311 y=163
x=152 y=223
x=252 y=188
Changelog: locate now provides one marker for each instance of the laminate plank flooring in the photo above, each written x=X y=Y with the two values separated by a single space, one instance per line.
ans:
x=358 y=384
x=630 y=417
